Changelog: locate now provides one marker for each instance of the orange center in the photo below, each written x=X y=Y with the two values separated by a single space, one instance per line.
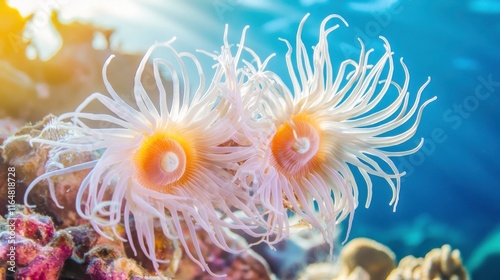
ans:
x=163 y=161
x=296 y=146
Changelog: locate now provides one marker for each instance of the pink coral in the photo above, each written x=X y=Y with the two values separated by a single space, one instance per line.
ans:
x=39 y=251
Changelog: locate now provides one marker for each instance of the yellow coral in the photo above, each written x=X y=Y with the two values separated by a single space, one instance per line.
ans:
x=319 y=271
x=440 y=263
x=374 y=258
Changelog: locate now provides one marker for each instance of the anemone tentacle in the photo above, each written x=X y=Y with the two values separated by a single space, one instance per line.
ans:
x=167 y=164
x=340 y=121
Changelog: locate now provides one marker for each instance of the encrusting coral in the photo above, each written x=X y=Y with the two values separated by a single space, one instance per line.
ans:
x=31 y=161
x=40 y=251
x=77 y=251
x=244 y=265
x=105 y=262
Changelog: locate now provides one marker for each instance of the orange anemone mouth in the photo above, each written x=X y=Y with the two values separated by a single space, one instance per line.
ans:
x=296 y=147
x=163 y=162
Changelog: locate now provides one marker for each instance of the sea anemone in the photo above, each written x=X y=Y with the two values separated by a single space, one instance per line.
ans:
x=239 y=153
x=245 y=76
x=171 y=164
x=327 y=127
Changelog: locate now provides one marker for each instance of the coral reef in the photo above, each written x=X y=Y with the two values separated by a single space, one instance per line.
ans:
x=245 y=265
x=39 y=249
x=30 y=161
x=31 y=246
x=366 y=259
x=439 y=263
x=33 y=87
x=288 y=258
x=360 y=259
x=18 y=152
x=106 y=262
x=363 y=254
x=105 y=259
x=319 y=271
x=76 y=251
x=84 y=239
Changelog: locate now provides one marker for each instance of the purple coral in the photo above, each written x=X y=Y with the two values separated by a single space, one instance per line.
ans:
x=31 y=247
x=106 y=262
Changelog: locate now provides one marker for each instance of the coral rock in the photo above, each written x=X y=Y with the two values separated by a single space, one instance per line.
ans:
x=245 y=265
x=319 y=271
x=40 y=251
x=289 y=257
x=249 y=266
x=375 y=260
x=84 y=238
x=49 y=260
x=105 y=262
x=31 y=161
x=165 y=249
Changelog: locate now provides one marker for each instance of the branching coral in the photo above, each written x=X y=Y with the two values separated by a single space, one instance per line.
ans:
x=439 y=263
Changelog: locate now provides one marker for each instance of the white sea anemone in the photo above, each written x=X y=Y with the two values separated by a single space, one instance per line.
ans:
x=326 y=126
x=171 y=164
x=246 y=78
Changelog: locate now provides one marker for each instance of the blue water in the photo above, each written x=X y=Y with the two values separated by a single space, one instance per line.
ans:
x=451 y=193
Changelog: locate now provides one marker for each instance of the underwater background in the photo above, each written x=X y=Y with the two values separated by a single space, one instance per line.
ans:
x=451 y=191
